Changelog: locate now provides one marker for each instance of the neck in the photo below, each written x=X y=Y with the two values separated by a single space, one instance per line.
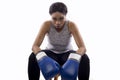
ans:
x=59 y=29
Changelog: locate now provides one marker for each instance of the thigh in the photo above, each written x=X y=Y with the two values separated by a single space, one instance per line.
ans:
x=64 y=56
x=84 y=68
x=51 y=55
x=60 y=58
x=33 y=68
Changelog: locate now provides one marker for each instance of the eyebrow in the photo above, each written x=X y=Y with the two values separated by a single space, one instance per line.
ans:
x=57 y=18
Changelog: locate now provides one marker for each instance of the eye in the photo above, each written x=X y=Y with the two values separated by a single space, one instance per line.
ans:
x=61 y=18
x=54 y=19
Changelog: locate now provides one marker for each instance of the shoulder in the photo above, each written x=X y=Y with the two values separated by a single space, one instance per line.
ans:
x=72 y=26
x=71 y=23
x=46 y=25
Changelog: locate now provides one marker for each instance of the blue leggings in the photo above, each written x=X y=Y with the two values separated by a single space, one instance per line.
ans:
x=34 y=71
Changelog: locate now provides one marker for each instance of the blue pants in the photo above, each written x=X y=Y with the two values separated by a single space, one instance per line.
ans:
x=34 y=71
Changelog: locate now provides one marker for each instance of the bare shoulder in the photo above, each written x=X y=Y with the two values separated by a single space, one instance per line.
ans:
x=48 y=22
x=46 y=25
x=72 y=26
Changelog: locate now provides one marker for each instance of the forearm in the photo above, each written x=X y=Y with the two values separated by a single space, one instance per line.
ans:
x=81 y=50
x=35 y=49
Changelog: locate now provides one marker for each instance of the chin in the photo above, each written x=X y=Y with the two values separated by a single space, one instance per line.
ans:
x=58 y=26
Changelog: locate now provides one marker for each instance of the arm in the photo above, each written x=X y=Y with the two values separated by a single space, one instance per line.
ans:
x=77 y=37
x=39 y=39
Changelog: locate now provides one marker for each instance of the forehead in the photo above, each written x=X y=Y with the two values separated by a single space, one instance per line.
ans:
x=57 y=14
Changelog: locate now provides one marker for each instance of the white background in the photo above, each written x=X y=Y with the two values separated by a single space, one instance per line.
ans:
x=98 y=22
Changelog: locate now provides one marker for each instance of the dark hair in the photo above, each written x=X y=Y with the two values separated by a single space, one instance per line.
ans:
x=58 y=6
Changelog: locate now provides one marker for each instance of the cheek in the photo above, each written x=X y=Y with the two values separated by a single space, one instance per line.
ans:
x=62 y=23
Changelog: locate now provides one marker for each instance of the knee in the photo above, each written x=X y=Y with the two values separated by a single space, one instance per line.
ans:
x=85 y=58
x=32 y=57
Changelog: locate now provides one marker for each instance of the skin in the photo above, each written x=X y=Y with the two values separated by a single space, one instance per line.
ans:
x=58 y=20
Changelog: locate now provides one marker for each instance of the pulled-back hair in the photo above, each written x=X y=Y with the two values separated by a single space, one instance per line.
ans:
x=58 y=7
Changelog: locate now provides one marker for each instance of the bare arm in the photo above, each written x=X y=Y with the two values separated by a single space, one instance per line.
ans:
x=77 y=37
x=39 y=39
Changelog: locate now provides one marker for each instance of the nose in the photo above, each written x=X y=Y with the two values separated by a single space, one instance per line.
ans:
x=57 y=22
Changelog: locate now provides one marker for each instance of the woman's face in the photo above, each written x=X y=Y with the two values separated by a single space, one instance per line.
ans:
x=58 y=19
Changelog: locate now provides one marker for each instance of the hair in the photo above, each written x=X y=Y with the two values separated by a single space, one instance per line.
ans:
x=58 y=7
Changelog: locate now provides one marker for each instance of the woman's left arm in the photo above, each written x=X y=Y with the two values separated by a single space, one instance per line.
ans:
x=77 y=37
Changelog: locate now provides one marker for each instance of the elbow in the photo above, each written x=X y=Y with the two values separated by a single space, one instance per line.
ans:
x=85 y=50
x=34 y=47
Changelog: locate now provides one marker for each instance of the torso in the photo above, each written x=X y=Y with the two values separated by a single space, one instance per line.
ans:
x=59 y=40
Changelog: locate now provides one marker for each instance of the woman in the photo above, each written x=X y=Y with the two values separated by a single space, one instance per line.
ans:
x=59 y=31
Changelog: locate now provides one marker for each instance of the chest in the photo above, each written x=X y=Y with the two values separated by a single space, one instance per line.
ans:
x=59 y=37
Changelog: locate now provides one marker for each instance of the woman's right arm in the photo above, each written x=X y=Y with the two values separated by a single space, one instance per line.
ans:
x=41 y=34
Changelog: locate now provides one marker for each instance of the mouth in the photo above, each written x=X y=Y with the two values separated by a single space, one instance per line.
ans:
x=58 y=26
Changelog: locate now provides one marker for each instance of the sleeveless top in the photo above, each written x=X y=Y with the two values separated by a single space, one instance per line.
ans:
x=59 y=42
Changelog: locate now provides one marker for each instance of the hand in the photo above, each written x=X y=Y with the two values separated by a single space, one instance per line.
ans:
x=47 y=65
x=69 y=70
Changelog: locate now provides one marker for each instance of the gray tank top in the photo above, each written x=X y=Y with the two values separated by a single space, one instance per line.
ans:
x=59 y=42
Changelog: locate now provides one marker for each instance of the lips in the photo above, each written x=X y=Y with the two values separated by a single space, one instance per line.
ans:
x=57 y=26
